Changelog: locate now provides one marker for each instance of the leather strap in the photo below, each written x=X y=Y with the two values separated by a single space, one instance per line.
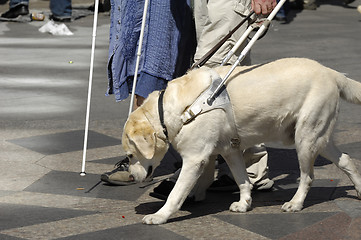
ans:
x=161 y=113
x=211 y=52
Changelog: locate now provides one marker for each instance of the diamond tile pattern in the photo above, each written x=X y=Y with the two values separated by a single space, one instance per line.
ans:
x=65 y=142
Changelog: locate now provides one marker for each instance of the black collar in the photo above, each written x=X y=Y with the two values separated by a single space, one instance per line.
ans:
x=161 y=113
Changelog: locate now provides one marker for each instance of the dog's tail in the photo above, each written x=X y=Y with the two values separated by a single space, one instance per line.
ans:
x=350 y=89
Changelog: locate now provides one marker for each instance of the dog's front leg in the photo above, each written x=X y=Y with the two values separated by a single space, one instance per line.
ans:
x=191 y=171
x=199 y=191
x=237 y=166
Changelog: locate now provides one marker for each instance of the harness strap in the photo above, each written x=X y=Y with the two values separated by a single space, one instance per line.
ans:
x=222 y=101
x=211 y=52
x=200 y=105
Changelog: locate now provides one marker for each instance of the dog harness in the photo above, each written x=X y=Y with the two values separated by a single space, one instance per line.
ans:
x=201 y=105
x=220 y=101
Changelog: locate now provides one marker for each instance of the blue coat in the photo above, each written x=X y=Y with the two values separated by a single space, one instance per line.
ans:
x=168 y=45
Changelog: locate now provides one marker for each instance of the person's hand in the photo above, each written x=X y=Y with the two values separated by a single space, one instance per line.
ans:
x=263 y=6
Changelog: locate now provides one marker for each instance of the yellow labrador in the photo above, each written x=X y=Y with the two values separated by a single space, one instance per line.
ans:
x=293 y=100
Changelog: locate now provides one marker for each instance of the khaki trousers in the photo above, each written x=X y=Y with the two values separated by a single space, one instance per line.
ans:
x=215 y=19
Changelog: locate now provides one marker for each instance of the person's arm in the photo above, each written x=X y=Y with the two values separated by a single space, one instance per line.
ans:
x=263 y=6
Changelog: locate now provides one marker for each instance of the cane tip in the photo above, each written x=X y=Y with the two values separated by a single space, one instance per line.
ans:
x=82 y=174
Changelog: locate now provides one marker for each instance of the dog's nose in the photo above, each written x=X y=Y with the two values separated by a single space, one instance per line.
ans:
x=131 y=177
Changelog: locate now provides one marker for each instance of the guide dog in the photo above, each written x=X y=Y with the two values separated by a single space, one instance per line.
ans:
x=292 y=100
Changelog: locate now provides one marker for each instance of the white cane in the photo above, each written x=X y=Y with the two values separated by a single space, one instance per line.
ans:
x=138 y=55
x=96 y=4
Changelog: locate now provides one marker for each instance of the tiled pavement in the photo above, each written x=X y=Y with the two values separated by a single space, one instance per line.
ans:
x=42 y=112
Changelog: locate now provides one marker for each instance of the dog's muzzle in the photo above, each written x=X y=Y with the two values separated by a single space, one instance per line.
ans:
x=140 y=173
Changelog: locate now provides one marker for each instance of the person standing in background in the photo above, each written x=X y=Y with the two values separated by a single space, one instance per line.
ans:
x=61 y=9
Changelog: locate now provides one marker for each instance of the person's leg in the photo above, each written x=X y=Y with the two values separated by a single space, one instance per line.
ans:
x=14 y=3
x=258 y=171
x=282 y=13
x=214 y=20
x=17 y=8
x=200 y=15
x=61 y=9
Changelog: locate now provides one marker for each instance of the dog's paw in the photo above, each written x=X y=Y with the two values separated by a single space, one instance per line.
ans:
x=154 y=219
x=241 y=206
x=291 y=207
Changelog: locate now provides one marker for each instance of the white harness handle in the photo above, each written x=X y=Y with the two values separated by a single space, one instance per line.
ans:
x=245 y=51
x=200 y=105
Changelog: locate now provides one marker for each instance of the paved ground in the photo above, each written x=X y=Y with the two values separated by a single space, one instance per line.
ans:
x=43 y=91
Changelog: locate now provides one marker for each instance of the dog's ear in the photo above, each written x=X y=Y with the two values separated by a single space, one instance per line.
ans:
x=144 y=138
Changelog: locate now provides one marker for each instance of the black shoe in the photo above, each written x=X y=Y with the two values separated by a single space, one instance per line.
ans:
x=280 y=19
x=296 y=4
x=100 y=8
x=224 y=184
x=60 y=18
x=16 y=11
x=163 y=190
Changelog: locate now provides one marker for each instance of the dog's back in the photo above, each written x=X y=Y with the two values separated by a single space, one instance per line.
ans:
x=272 y=100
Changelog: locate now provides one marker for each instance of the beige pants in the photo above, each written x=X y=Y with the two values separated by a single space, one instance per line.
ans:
x=215 y=19
x=257 y=172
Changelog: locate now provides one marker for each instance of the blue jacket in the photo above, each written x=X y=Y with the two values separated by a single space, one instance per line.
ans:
x=168 y=45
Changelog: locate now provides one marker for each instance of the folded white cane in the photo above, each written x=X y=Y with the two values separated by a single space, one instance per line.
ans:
x=245 y=51
x=138 y=55
x=96 y=4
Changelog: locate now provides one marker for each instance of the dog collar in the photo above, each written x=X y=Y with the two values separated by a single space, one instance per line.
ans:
x=161 y=113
